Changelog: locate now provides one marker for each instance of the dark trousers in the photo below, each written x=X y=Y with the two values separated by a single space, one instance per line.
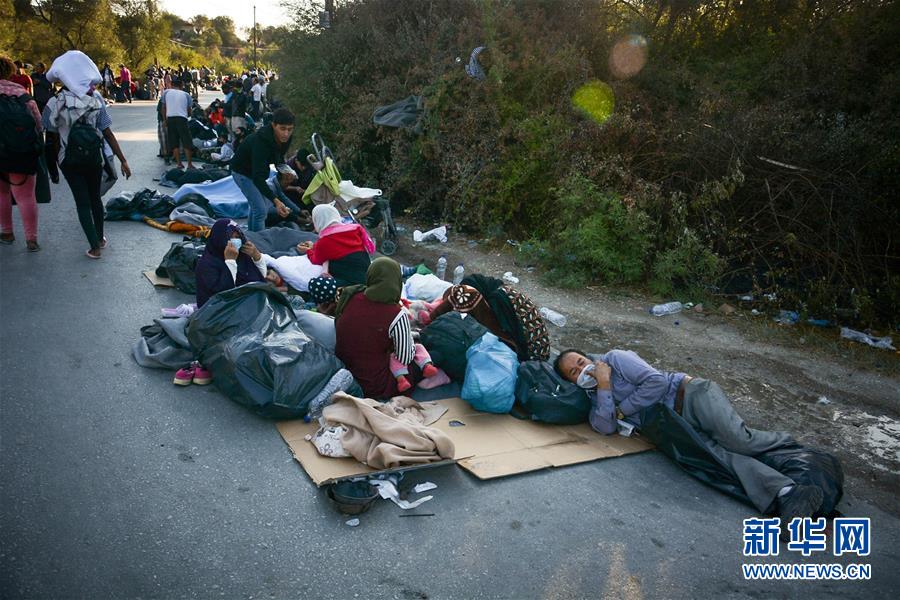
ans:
x=85 y=186
x=126 y=89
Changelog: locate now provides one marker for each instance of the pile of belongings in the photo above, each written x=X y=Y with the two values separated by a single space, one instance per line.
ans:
x=251 y=339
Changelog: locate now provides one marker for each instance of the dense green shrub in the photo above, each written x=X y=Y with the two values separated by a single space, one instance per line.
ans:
x=757 y=151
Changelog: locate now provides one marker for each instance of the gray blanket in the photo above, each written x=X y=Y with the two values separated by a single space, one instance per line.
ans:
x=164 y=345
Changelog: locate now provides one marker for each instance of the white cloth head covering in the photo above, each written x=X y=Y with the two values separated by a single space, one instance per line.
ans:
x=76 y=71
x=324 y=215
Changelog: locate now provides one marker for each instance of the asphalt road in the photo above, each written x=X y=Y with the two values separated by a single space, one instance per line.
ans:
x=115 y=483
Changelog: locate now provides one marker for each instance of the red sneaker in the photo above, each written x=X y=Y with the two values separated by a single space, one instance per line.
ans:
x=184 y=376
x=202 y=376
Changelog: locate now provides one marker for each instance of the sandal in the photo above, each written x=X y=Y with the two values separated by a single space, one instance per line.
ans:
x=32 y=245
x=104 y=242
x=7 y=238
x=94 y=256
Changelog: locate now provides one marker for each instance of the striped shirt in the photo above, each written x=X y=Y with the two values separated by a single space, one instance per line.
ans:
x=401 y=334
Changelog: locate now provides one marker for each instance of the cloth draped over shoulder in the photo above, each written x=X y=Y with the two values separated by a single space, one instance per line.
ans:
x=516 y=314
x=389 y=435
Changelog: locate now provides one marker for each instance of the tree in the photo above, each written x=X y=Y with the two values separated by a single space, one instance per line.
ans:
x=143 y=33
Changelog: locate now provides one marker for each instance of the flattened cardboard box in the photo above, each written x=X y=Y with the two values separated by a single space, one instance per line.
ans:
x=487 y=445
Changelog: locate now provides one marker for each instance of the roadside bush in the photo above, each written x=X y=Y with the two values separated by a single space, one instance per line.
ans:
x=594 y=237
x=756 y=151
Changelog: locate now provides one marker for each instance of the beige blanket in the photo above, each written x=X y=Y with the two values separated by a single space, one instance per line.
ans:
x=389 y=435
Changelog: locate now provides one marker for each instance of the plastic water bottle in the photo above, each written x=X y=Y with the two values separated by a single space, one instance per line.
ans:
x=553 y=316
x=458 y=273
x=669 y=308
x=441 y=271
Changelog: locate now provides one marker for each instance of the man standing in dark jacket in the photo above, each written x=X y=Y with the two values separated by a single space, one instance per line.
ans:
x=43 y=89
x=250 y=167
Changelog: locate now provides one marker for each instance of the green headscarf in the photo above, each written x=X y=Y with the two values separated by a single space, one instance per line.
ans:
x=383 y=284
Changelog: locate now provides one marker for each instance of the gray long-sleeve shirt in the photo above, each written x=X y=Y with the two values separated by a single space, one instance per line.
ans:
x=634 y=385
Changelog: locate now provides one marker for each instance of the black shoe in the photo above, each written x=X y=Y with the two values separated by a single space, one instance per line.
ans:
x=801 y=501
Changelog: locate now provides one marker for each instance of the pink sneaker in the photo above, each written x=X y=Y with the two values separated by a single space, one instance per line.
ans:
x=202 y=376
x=185 y=376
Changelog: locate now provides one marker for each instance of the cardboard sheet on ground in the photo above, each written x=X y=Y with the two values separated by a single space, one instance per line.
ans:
x=487 y=445
x=158 y=281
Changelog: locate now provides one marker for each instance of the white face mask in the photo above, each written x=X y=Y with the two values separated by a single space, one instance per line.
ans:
x=585 y=379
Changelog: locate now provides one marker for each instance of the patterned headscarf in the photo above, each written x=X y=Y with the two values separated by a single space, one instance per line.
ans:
x=464 y=298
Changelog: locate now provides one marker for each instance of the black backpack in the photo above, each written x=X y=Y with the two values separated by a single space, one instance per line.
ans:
x=543 y=395
x=20 y=143
x=84 y=147
x=447 y=340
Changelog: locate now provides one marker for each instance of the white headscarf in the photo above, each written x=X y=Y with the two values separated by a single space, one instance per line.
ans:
x=76 y=71
x=325 y=215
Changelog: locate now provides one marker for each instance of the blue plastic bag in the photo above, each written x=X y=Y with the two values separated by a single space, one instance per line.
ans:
x=490 y=382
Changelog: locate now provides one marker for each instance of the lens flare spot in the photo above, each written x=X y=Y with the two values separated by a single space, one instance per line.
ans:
x=628 y=56
x=595 y=99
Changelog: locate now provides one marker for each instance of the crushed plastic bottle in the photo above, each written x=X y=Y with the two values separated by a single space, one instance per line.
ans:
x=787 y=317
x=458 y=273
x=508 y=277
x=438 y=234
x=554 y=317
x=441 y=271
x=884 y=343
x=669 y=308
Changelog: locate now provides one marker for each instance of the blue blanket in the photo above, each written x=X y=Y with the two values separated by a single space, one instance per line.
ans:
x=224 y=196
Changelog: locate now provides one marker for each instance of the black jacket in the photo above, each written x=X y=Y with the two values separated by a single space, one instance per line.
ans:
x=255 y=154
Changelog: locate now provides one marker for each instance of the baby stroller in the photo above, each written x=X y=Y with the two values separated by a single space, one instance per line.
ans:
x=325 y=188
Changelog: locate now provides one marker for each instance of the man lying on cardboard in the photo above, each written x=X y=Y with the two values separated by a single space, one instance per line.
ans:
x=623 y=386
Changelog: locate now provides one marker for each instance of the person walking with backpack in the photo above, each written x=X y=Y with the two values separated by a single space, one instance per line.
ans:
x=77 y=123
x=20 y=145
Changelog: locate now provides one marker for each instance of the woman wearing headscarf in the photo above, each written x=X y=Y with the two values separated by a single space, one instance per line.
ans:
x=503 y=310
x=229 y=260
x=344 y=250
x=371 y=328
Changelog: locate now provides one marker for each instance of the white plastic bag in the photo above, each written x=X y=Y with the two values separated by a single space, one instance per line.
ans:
x=425 y=287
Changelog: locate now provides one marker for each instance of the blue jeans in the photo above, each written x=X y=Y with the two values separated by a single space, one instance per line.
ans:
x=259 y=204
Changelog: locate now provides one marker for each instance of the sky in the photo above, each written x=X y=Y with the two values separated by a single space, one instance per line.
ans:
x=268 y=12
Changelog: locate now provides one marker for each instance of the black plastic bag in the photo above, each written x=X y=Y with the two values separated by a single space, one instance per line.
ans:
x=674 y=437
x=447 y=340
x=179 y=262
x=145 y=203
x=542 y=395
x=259 y=357
x=808 y=466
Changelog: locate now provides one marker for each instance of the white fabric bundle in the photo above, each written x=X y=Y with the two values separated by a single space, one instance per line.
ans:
x=76 y=71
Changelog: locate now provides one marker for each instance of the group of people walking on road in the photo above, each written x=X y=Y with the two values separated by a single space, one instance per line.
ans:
x=68 y=131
